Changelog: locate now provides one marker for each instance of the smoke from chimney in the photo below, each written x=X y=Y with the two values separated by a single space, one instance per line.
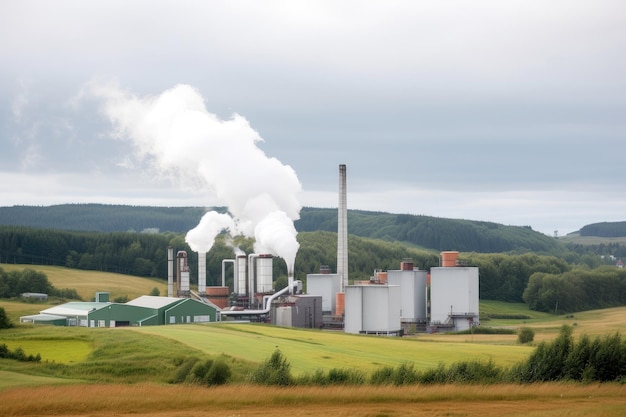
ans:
x=174 y=134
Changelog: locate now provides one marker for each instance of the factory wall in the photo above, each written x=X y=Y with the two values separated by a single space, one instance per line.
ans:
x=115 y=315
x=304 y=311
x=188 y=311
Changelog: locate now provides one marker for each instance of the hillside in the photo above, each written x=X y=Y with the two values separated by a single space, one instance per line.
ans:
x=420 y=231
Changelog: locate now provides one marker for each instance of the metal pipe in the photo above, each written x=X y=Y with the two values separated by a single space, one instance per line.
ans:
x=251 y=270
x=266 y=310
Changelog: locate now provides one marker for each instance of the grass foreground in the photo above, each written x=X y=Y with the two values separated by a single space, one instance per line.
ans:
x=149 y=400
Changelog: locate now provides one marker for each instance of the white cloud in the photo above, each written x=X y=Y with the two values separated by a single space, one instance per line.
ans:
x=497 y=105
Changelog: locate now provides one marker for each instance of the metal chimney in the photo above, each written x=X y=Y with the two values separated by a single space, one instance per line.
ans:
x=342 y=230
x=170 y=271
x=202 y=272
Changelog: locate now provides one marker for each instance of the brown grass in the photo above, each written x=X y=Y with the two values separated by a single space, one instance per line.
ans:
x=86 y=283
x=243 y=400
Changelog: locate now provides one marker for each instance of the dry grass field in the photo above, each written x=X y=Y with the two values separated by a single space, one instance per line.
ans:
x=87 y=283
x=546 y=400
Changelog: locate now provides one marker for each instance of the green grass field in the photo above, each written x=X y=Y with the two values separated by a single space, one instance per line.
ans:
x=10 y=379
x=309 y=350
x=148 y=351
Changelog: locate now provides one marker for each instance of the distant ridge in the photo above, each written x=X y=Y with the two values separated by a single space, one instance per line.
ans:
x=415 y=230
x=604 y=229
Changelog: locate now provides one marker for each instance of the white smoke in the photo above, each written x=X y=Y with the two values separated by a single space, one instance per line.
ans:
x=202 y=237
x=176 y=135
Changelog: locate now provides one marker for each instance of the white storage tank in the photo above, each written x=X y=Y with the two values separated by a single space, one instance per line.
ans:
x=264 y=274
x=454 y=296
x=241 y=274
x=372 y=309
x=326 y=285
x=412 y=283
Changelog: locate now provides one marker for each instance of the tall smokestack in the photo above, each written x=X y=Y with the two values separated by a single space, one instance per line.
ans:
x=170 y=271
x=202 y=272
x=342 y=231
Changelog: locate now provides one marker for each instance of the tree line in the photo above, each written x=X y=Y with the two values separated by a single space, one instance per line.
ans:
x=15 y=283
x=565 y=283
x=576 y=290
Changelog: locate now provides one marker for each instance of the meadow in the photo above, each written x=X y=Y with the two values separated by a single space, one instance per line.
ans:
x=128 y=371
x=310 y=350
x=87 y=283
x=150 y=400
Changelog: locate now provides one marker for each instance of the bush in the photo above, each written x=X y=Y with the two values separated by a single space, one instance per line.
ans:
x=218 y=374
x=183 y=369
x=274 y=371
x=383 y=376
x=195 y=371
x=345 y=377
x=405 y=374
x=18 y=354
x=525 y=335
x=5 y=322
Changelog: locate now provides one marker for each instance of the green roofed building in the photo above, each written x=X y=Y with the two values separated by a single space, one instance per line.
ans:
x=143 y=311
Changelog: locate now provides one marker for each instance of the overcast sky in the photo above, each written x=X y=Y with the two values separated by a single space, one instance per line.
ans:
x=505 y=111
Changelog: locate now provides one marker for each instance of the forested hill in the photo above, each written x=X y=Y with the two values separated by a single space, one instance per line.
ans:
x=432 y=232
x=605 y=229
x=102 y=217
x=422 y=231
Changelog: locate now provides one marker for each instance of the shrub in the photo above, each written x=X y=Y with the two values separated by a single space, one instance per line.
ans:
x=525 y=335
x=218 y=374
x=198 y=371
x=405 y=374
x=274 y=371
x=382 y=376
x=345 y=377
x=5 y=322
x=183 y=369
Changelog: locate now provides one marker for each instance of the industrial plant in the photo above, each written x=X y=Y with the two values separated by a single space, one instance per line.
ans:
x=393 y=302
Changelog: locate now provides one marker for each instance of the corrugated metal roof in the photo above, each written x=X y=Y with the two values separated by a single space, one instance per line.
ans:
x=151 y=301
x=43 y=317
x=74 y=308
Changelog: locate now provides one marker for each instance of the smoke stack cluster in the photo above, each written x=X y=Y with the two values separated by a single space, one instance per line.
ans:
x=175 y=135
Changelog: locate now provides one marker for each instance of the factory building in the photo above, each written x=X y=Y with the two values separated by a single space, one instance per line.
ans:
x=142 y=311
x=303 y=311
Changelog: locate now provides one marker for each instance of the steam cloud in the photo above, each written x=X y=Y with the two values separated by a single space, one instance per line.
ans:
x=176 y=135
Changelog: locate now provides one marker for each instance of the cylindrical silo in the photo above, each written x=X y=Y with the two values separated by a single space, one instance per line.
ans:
x=170 y=271
x=240 y=274
x=182 y=283
x=264 y=275
x=201 y=272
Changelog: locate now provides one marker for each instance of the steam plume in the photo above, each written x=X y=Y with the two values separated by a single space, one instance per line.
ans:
x=176 y=135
